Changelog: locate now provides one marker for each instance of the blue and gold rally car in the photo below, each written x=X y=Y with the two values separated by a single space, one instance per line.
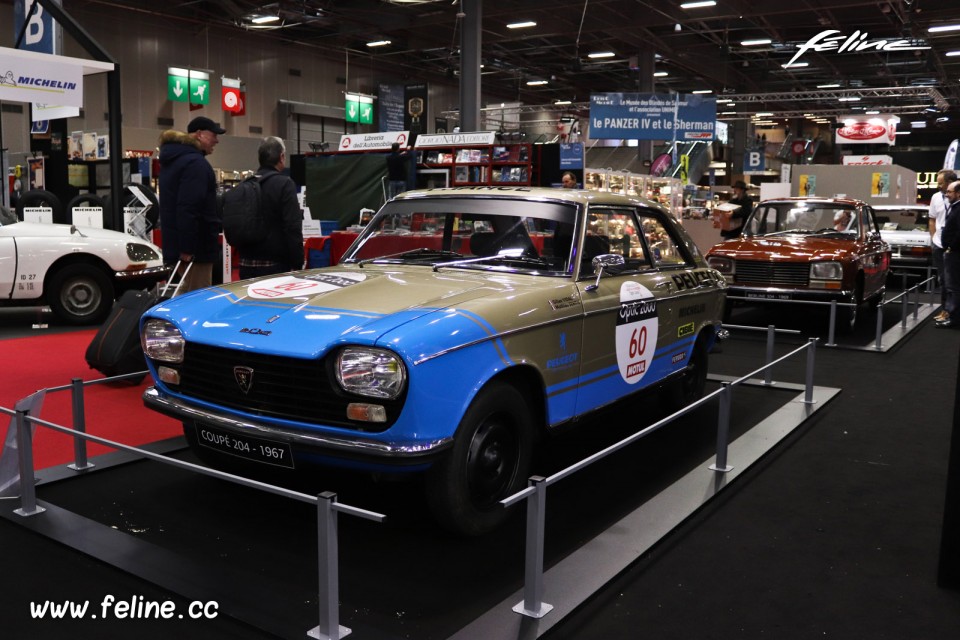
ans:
x=461 y=325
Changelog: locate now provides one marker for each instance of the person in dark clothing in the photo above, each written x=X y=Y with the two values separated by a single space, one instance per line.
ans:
x=397 y=162
x=281 y=249
x=746 y=207
x=951 y=259
x=189 y=222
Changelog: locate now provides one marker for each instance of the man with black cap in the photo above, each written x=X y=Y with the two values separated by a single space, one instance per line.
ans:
x=746 y=206
x=189 y=222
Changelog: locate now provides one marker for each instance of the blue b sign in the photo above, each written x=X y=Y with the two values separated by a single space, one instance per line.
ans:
x=754 y=161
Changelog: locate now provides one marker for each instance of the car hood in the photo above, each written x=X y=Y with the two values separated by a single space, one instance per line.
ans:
x=786 y=248
x=918 y=238
x=39 y=230
x=306 y=313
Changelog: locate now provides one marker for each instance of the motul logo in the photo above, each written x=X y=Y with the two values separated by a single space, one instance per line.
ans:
x=857 y=42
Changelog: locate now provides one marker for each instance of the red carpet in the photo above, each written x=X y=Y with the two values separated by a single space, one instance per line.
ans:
x=113 y=410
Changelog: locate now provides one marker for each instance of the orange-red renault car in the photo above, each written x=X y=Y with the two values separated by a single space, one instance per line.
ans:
x=806 y=249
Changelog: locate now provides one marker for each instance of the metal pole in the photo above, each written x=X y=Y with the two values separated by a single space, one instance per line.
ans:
x=771 y=336
x=916 y=305
x=723 y=430
x=833 y=324
x=328 y=597
x=879 y=343
x=811 y=352
x=903 y=309
x=28 y=486
x=533 y=605
x=79 y=424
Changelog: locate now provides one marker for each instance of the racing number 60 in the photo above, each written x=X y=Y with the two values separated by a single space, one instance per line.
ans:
x=638 y=343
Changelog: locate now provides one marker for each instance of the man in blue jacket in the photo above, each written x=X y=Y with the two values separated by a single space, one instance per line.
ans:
x=189 y=221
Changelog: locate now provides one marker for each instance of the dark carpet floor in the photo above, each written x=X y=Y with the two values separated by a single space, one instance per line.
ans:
x=835 y=534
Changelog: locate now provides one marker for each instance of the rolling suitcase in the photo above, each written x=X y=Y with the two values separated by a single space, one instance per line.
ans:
x=115 y=349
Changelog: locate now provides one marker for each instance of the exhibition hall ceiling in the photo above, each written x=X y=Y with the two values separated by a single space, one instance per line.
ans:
x=883 y=53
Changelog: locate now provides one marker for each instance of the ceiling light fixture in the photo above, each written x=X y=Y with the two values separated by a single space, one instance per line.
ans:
x=521 y=25
x=763 y=114
x=755 y=43
x=703 y=91
x=536 y=83
x=833 y=85
x=660 y=74
x=849 y=99
x=795 y=65
x=601 y=54
x=951 y=54
x=378 y=43
x=698 y=5
x=944 y=27
x=562 y=102
x=872 y=112
x=264 y=19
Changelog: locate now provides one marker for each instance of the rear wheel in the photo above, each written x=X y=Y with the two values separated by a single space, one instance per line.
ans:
x=489 y=461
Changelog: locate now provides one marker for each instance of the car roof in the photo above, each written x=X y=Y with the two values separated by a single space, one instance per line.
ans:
x=577 y=196
x=850 y=202
x=895 y=207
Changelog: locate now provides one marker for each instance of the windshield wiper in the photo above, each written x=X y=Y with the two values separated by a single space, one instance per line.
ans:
x=505 y=255
x=420 y=253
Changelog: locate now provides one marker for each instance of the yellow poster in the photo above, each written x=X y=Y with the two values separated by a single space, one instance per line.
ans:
x=880 y=185
x=808 y=184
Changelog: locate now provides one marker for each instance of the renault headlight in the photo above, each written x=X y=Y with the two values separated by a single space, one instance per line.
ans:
x=826 y=271
x=162 y=341
x=371 y=372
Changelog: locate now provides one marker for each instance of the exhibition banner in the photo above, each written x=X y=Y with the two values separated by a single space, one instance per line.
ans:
x=455 y=139
x=41 y=78
x=571 y=155
x=373 y=141
x=650 y=116
x=861 y=129
x=390 y=106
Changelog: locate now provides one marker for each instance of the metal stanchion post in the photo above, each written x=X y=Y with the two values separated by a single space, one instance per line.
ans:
x=916 y=305
x=28 y=485
x=533 y=605
x=811 y=353
x=723 y=430
x=831 y=334
x=903 y=309
x=768 y=372
x=329 y=596
x=79 y=424
x=879 y=340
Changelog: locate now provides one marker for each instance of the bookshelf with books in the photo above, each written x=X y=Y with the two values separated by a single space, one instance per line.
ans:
x=481 y=164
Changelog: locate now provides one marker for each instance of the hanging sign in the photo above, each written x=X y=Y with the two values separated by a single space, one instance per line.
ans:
x=40 y=78
x=649 y=116
x=231 y=98
x=188 y=85
x=859 y=129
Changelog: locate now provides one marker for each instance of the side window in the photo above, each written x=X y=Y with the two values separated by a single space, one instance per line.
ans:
x=613 y=231
x=663 y=250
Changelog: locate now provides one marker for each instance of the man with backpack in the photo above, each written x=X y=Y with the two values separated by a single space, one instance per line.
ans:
x=262 y=218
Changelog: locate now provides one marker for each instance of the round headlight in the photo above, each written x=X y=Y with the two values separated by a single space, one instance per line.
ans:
x=721 y=264
x=162 y=341
x=371 y=372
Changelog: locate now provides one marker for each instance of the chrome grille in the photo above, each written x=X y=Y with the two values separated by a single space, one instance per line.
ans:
x=284 y=388
x=772 y=274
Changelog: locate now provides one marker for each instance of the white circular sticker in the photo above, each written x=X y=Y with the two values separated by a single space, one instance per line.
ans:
x=636 y=331
x=302 y=286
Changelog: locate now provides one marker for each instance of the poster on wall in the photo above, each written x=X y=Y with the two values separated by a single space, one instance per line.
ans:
x=390 y=104
x=415 y=113
x=75 y=145
x=808 y=184
x=37 y=171
x=89 y=147
x=103 y=147
x=880 y=185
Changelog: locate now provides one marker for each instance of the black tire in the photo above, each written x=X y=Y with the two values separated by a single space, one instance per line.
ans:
x=847 y=316
x=79 y=293
x=689 y=388
x=84 y=200
x=40 y=198
x=489 y=461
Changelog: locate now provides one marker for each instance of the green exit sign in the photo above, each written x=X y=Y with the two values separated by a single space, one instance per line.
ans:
x=358 y=109
x=187 y=85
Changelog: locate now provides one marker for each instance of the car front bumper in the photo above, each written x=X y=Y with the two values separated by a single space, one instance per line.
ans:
x=312 y=444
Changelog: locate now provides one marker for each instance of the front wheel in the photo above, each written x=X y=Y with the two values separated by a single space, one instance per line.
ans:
x=489 y=461
x=80 y=294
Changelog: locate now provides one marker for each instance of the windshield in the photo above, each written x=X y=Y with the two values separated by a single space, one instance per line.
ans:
x=803 y=217
x=471 y=233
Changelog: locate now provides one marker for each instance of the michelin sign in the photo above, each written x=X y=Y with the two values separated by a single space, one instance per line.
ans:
x=650 y=116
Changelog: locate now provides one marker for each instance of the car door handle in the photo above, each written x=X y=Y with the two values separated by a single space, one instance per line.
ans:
x=666 y=284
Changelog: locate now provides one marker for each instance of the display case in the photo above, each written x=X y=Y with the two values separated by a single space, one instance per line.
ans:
x=667 y=191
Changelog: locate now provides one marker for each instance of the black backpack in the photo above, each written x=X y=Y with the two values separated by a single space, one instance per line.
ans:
x=244 y=221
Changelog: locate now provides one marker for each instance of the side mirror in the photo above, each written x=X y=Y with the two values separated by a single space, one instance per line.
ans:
x=605 y=262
